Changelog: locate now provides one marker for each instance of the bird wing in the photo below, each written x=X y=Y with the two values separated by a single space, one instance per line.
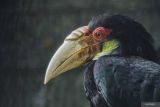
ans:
x=127 y=80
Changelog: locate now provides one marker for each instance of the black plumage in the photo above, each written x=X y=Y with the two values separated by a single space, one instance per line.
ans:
x=96 y=100
x=128 y=78
x=133 y=37
x=122 y=82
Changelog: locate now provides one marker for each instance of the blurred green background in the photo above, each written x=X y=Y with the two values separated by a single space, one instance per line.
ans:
x=31 y=31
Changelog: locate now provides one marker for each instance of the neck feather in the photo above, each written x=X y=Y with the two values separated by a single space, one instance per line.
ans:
x=109 y=47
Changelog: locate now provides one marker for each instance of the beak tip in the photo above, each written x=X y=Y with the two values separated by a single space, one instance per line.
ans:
x=45 y=81
x=47 y=78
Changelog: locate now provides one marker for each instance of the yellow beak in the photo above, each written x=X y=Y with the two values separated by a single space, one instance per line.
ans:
x=76 y=50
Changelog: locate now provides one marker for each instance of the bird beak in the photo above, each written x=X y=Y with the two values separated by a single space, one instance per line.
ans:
x=77 y=49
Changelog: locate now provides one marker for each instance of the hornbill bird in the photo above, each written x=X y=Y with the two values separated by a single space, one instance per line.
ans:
x=121 y=65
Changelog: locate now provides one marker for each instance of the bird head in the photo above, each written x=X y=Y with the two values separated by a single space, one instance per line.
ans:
x=102 y=36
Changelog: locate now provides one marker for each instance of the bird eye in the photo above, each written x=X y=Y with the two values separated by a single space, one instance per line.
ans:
x=101 y=33
x=98 y=33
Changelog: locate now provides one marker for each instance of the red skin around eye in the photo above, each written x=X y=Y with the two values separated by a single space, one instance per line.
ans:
x=103 y=33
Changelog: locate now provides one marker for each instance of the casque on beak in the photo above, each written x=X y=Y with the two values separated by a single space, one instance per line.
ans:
x=78 y=48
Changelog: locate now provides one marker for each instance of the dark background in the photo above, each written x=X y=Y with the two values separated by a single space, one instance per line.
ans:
x=31 y=31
